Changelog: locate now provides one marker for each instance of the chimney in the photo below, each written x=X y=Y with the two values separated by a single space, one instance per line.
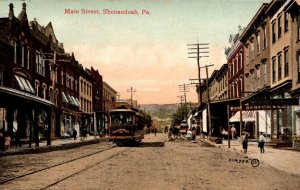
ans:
x=11 y=11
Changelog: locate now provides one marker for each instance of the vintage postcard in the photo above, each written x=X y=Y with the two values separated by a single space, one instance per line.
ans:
x=149 y=94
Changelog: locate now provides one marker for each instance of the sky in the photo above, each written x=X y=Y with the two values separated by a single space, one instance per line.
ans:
x=146 y=51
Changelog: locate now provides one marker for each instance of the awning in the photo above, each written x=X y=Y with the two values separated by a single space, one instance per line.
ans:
x=64 y=97
x=70 y=99
x=246 y=116
x=24 y=84
x=25 y=95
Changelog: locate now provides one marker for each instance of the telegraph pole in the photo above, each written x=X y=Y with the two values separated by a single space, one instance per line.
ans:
x=131 y=90
x=195 y=49
x=208 y=99
x=184 y=88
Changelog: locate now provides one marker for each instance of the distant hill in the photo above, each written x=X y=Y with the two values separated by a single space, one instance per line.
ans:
x=162 y=111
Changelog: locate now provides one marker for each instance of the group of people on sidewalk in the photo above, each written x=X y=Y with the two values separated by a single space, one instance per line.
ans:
x=261 y=142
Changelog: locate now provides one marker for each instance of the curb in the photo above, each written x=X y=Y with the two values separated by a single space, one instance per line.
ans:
x=50 y=148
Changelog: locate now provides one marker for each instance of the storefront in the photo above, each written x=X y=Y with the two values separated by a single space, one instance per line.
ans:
x=24 y=116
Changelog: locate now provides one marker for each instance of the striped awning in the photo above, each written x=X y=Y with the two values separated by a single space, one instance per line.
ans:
x=246 y=116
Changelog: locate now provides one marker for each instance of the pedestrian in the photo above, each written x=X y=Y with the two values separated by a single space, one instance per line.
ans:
x=226 y=135
x=223 y=134
x=233 y=131
x=155 y=131
x=7 y=142
x=245 y=141
x=74 y=134
x=193 y=133
x=261 y=143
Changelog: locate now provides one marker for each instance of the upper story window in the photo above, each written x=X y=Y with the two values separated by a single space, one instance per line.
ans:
x=241 y=60
x=265 y=37
x=258 y=43
x=279 y=67
x=298 y=27
x=265 y=72
x=286 y=63
x=274 y=70
x=279 y=27
x=39 y=64
x=273 y=32
x=252 y=50
x=286 y=22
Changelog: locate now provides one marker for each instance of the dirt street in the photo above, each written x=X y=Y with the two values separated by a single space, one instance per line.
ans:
x=155 y=164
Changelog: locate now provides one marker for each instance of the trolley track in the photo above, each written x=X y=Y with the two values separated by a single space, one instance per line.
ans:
x=55 y=165
x=84 y=169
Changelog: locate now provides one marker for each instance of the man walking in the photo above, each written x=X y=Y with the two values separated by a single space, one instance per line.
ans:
x=261 y=143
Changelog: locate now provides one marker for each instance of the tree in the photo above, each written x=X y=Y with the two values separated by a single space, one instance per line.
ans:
x=180 y=115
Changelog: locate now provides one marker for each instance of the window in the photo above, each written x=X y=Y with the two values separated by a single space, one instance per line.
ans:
x=28 y=59
x=286 y=22
x=265 y=37
x=279 y=67
x=265 y=72
x=279 y=27
x=84 y=87
x=274 y=70
x=298 y=63
x=23 y=55
x=286 y=63
x=258 y=76
x=298 y=27
x=44 y=88
x=76 y=85
x=252 y=50
x=241 y=60
x=39 y=64
x=81 y=85
x=15 y=52
x=37 y=84
x=273 y=33
x=258 y=43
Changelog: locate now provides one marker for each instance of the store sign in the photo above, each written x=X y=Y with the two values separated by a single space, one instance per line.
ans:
x=274 y=102
x=264 y=107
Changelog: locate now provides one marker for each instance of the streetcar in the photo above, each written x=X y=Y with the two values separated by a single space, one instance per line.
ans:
x=125 y=126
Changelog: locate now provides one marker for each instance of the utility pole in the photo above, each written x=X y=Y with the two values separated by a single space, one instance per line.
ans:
x=181 y=100
x=52 y=58
x=208 y=99
x=118 y=95
x=184 y=88
x=131 y=90
x=195 y=49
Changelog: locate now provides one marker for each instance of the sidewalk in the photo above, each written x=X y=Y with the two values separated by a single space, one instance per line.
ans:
x=57 y=144
x=281 y=159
